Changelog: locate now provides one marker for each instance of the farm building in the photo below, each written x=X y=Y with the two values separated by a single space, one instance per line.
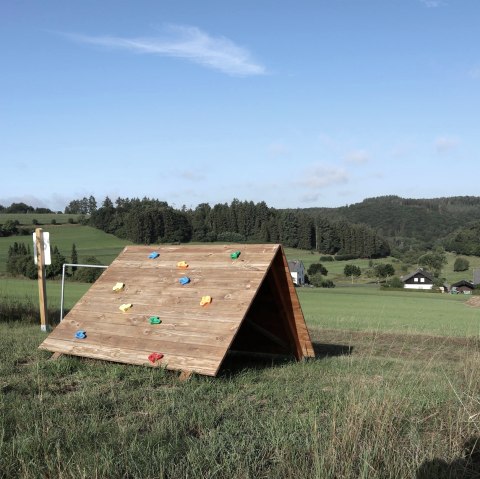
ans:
x=185 y=307
x=463 y=286
x=419 y=279
x=297 y=271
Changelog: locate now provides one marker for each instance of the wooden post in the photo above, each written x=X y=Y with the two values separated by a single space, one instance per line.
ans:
x=42 y=286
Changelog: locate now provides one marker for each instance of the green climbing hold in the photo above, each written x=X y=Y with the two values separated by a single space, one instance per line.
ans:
x=235 y=255
x=155 y=320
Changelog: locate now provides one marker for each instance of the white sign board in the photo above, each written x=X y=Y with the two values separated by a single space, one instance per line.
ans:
x=46 y=248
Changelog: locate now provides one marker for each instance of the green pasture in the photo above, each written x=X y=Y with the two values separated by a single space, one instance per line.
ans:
x=88 y=241
x=25 y=289
x=393 y=392
x=376 y=411
x=43 y=219
x=364 y=308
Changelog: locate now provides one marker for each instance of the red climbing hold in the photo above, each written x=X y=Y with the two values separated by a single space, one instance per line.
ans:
x=154 y=357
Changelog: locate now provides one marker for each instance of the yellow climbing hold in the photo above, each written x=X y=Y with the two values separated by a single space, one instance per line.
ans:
x=118 y=287
x=182 y=265
x=205 y=300
x=125 y=307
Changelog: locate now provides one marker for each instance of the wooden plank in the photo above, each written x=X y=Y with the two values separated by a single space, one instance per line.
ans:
x=300 y=325
x=138 y=357
x=171 y=322
x=162 y=332
x=150 y=343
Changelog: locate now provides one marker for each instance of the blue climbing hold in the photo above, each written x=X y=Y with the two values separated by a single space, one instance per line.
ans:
x=154 y=255
x=184 y=280
x=81 y=334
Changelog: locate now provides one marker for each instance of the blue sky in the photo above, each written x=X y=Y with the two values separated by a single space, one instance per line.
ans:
x=296 y=103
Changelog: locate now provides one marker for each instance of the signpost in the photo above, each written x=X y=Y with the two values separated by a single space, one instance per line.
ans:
x=41 y=242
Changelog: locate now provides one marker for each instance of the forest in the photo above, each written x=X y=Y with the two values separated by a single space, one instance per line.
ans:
x=149 y=221
x=373 y=228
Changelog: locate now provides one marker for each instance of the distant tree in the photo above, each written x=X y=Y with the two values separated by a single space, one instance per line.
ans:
x=92 y=204
x=55 y=268
x=383 y=271
x=461 y=264
x=316 y=280
x=395 y=282
x=315 y=268
x=20 y=208
x=434 y=261
x=89 y=275
x=74 y=258
x=10 y=228
x=352 y=271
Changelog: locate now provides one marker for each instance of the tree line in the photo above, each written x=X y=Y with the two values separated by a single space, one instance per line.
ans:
x=149 y=221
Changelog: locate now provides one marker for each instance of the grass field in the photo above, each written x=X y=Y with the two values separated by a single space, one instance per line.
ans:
x=393 y=392
x=43 y=219
x=371 y=405
x=88 y=241
x=365 y=308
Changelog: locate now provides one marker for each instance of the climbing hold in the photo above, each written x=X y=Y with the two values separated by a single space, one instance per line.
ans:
x=205 y=300
x=80 y=334
x=182 y=265
x=154 y=357
x=118 y=287
x=235 y=255
x=125 y=307
x=154 y=255
x=155 y=320
x=184 y=280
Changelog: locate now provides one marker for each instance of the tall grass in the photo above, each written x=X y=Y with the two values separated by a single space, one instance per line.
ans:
x=351 y=416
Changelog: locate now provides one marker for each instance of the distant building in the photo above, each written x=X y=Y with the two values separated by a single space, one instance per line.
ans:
x=419 y=279
x=463 y=286
x=476 y=276
x=297 y=271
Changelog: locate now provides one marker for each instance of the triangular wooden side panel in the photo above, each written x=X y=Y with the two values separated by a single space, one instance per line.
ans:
x=253 y=294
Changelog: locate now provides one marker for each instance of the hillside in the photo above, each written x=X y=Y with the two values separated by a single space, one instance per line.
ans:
x=425 y=220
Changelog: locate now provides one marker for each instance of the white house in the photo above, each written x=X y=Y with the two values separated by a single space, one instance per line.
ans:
x=297 y=271
x=419 y=279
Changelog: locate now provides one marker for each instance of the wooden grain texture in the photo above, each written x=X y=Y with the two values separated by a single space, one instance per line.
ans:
x=191 y=337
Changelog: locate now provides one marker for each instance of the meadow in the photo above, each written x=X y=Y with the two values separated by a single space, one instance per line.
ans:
x=393 y=392
x=38 y=219
x=384 y=398
x=88 y=242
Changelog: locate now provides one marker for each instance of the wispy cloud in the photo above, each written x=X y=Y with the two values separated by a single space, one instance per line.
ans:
x=357 y=157
x=278 y=150
x=445 y=144
x=475 y=73
x=433 y=3
x=190 y=43
x=322 y=176
x=191 y=175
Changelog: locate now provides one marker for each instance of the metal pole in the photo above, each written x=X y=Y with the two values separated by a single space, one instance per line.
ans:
x=63 y=280
x=62 y=293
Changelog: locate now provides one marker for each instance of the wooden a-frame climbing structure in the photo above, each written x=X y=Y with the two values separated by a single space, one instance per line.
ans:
x=254 y=308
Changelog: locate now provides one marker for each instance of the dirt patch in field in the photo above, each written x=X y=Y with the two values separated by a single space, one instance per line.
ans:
x=474 y=302
x=388 y=345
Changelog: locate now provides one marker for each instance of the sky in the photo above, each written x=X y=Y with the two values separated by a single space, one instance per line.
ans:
x=296 y=103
